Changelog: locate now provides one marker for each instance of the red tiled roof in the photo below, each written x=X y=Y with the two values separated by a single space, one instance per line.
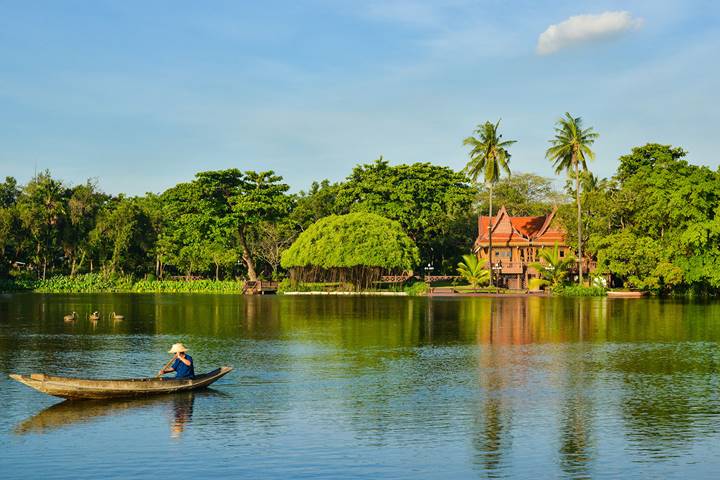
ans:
x=507 y=229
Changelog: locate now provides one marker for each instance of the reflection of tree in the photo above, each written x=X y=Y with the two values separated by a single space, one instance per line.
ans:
x=492 y=436
x=669 y=398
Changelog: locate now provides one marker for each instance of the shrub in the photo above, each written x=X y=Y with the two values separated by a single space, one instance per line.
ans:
x=579 y=291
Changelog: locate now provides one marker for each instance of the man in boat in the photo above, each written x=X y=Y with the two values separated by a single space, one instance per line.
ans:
x=182 y=363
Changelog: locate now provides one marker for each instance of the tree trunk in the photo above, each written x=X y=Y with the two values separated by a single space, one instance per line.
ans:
x=579 y=220
x=217 y=272
x=247 y=258
x=490 y=225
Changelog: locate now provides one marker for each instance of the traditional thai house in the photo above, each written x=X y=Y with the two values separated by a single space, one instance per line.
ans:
x=516 y=242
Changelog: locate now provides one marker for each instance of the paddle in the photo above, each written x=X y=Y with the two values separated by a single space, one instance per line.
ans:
x=166 y=365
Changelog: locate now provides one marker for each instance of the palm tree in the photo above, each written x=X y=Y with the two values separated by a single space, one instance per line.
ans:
x=554 y=269
x=569 y=151
x=488 y=157
x=473 y=270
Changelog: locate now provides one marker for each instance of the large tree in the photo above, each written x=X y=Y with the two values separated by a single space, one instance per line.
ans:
x=356 y=248
x=523 y=194
x=489 y=157
x=569 y=152
x=42 y=211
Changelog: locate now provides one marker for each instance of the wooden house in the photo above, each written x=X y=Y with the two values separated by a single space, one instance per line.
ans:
x=516 y=242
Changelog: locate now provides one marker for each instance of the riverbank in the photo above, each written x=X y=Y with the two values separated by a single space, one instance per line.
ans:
x=97 y=283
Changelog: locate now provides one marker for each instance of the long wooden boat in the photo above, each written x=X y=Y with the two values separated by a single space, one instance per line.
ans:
x=626 y=294
x=81 y=388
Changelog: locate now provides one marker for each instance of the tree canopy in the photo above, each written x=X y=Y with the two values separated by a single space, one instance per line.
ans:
x=357 y=247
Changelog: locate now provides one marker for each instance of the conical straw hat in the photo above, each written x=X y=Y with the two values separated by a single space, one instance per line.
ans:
x=177 y=347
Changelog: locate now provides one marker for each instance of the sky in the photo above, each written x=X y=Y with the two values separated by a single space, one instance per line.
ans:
x=142 y=95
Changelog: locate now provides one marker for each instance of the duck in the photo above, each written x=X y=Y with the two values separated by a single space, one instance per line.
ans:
x=114 y=316
x=94 y=317
x=71 y=317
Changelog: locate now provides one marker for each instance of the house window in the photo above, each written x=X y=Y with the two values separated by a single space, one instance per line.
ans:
x=562 y=253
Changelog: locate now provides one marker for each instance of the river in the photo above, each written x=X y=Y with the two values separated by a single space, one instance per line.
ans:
x=368 y=387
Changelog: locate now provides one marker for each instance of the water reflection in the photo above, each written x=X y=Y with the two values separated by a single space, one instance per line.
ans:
x=497 y=384
x=178 y=408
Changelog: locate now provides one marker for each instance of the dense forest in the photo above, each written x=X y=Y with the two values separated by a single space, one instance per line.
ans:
x=653 y=225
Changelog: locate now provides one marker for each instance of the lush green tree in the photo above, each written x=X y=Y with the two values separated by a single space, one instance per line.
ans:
x=122 y=237
x=489 y=157
x=356 y=248
x=318 y=202
x=42 y=211
x=83 y=205
x=553 y=267
x=655 y=225
x=569 y=152
x=473 y=270
x=262 y=198
x=432 y=203
x=523 y=195
x=9 y=192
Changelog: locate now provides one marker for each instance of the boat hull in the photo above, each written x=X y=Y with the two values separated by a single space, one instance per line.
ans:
x=626 y=294
x=82 y=388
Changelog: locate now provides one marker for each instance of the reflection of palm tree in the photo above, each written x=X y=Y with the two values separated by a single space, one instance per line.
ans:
x=493 y=416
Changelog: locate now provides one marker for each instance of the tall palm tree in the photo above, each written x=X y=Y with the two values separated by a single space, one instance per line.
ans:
x=569 y=151
x=488 y=158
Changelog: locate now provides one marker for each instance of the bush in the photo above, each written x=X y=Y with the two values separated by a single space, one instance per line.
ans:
x=579 y=291
x=417 y=289
x=97 y=283
x=537 y=283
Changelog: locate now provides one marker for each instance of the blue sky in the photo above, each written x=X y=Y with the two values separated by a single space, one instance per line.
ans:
x=141 y=95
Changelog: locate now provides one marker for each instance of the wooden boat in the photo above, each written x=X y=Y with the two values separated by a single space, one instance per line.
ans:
x=626 y=294
x=81 y=388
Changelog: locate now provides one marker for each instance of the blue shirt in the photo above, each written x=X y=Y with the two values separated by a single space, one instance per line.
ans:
x=182 y=370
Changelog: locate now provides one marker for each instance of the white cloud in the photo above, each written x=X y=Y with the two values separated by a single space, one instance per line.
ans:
x=585 y=28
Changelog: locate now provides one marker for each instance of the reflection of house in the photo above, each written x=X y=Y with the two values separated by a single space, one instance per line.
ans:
x=516 y=242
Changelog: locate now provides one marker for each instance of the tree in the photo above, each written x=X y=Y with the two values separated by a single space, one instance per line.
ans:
x=569 y=151
x=356 y=248
x=271 y=239
x=488 y=158
x=431 y=203
x=123 y=237
x=523 y=195
x=83 y=206
x=42 y=208
x=262 y=197
x=553 y=267
x=473 y=270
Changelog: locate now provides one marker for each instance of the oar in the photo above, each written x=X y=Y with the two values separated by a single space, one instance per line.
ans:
x=166 y=365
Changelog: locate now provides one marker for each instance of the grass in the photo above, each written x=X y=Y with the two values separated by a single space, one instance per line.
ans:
x=97 y=283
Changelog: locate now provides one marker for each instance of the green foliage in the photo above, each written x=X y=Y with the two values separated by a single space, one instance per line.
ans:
x=417 y=289
x=579 y=291
x=537 y=283
x=554 y=268
x=569 y=151
x=431 y=203
x=96 y=283
x=523 y=195
x=353 y=240
x=473 y=270
x=655 y=225
x=489 y=154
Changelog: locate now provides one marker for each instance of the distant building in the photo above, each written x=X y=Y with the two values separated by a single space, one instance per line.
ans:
x=516 y=242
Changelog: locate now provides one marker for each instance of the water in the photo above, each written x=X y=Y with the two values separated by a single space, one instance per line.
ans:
x=371 y=388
